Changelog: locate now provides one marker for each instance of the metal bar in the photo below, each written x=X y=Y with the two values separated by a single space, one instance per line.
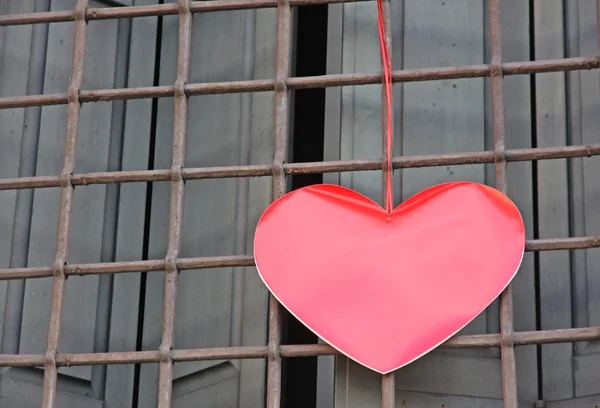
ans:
x=402 y=162
x=321 y=81
x=507 y=350
x=388 y=390
x=66 y=198
x=288 y=351
x=165 y=374
x=553 y=244
x=153 y=10
x=280 y=147
x=111 y=210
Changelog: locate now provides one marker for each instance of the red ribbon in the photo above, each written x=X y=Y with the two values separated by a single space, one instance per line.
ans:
x=386 y=63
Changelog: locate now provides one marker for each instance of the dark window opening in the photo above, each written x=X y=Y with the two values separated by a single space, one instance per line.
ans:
x=299 y=375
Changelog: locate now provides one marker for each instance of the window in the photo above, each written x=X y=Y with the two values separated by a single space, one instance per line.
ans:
x=141 y=140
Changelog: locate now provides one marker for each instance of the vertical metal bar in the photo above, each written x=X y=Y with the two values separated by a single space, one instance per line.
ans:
x=388 y=391
x=111 y=209
x=507 y=350
x=66 y=199
x=280 y=150
x=165 y=374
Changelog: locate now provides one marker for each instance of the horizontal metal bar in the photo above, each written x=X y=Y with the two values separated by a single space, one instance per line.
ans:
x=514 y=155
x=561 y=244
x=322 y=81
x=152 y=10
x=535 y=245
x=288 y=351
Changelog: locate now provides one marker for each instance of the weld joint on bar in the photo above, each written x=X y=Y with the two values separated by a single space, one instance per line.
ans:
x=507 y=340
x=496 y=70
x=179 y=88
x=280 y=85
x=73 y=95
x=183 y=7
x=66 y=178
x=92 y=14
x=165 y=354
x=273 y=351
x=171 y=263
x=81 y=12
x=58 y=268
x=176 y=173
x=278 y=169
x=50 y=358
x=589 y=150
x=65 y=360
x=499 y=152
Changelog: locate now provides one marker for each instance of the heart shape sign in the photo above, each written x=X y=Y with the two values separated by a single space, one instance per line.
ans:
x=385 y=289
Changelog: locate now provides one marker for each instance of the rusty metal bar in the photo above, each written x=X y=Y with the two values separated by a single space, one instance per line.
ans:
x=553 y=244
x=66 y=199
x=165 y=373
x=388 y=390
x=288 y=351
x=261 y=170
x=507 y=350
x=321 y=81
x=152 y=10
x=280 y=146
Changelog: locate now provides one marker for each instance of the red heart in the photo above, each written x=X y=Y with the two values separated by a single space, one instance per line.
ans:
x=385 y=289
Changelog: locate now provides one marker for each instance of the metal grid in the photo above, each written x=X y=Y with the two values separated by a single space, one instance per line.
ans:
x=172 y=264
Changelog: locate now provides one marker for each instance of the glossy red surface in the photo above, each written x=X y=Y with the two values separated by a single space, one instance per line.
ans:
x=384 y=289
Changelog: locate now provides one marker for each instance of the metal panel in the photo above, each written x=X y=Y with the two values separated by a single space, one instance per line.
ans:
x=586 y=280
x=15 y=43
x=214 y=308
x=103 y=228
x=553 y=198
x=135 y=132
x=567 y=113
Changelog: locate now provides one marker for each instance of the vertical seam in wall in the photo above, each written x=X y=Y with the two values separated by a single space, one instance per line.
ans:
x=534 y=173
x=147 y=210
x=575 y=174
x=23 y=212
